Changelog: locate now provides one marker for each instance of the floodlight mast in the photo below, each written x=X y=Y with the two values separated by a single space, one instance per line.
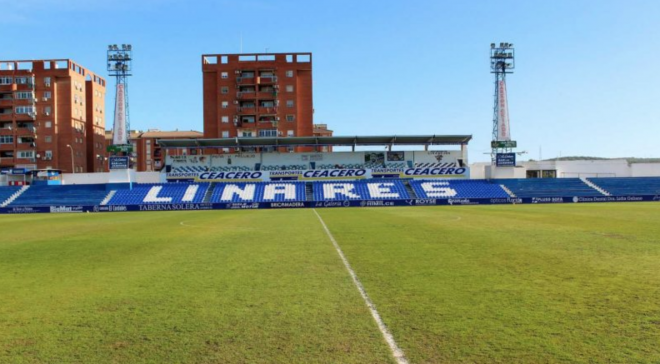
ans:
x=502 y=61
x=120 y=62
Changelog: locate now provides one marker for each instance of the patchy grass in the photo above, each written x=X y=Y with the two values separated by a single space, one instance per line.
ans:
x=470 y=284
x=512 y=284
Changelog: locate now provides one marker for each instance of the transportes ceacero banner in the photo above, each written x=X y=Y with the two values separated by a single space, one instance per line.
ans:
x=319 y=174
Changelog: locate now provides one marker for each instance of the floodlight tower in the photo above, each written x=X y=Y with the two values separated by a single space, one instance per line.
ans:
x=502 y=61
x=120 y=60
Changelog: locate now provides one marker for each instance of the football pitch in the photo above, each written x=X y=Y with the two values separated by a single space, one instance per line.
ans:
x=573 y=283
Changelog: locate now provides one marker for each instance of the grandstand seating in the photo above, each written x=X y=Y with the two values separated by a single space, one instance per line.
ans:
x=259 y=192
x=457 y=189
x=360 y=190
x=7 y=191
x=65 y=195
x=621 y=186
x=548 y=187
x=160 y=193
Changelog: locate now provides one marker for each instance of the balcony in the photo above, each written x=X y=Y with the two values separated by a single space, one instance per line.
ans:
x=27 y=130
x=6 y=161
x=6 y=101
x=248 y=109
x=245 y=80
x=26 y=146
x=6 y=130
x=32 y=161
x=264 y=80
x=7 y=147
x=246 y=95
x=268 y=109
x=6 y=116
x=26 y=117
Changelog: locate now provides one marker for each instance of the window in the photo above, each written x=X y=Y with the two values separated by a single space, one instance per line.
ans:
x=224 y=90
x=289 y=103
x=224 y=75
x=289 y=73
x=24 y=110
x=6 y=139
x=48 y=154
x=47 y=95
x=225 y=134
x=225 y=104
x=289 y=88
x=289 y=133
x=268 y=132
x=49 y=124
x=6 y=80
x=24 y=95
x=47 y=110
x=26 y=154
x=48 y=139
x=225 y=119
x=47 y=81
x=290 y=117
x=21 y=80
x=247 y=134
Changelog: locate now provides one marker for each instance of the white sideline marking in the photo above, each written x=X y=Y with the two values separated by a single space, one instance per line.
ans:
x=398 y=354
x=183 y=223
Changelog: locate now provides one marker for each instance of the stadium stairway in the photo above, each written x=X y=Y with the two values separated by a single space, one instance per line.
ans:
x=309 y=191
x=108 y=197
x=594 y=186
x=209 y=193
x=9 y=194
x=508 y=191
x=409 y=189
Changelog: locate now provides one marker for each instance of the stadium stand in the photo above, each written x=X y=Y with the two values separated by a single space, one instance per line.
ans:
x=259 y=192
x=435 y=165
x=160 y=193
x=7 y=192
x=548 y=187
x=369 y=190
x=621 y=186
x=457 y=189
x=65 y=195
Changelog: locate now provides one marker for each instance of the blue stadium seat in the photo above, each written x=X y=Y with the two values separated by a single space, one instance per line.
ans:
x=622 y=186
x=259 y=192
x=390 y=189
x=64 y=195
x=160 y=193
x=7 y=191
x=548 y=187
x=440 y=189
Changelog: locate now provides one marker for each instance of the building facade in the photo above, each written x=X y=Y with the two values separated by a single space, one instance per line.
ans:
x=258 y=95
x=52 y=116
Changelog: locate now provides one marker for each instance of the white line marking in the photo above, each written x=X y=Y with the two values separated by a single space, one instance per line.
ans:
x=398 y=354
x=182 y=223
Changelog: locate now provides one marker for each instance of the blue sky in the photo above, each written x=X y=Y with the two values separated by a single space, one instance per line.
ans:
x=586 y=82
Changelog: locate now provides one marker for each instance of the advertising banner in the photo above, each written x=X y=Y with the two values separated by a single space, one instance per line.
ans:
x=320 y=175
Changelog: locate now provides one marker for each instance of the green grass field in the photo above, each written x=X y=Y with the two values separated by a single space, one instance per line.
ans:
x=472 y=284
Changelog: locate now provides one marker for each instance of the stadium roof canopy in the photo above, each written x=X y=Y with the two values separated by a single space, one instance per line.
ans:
x=317 y=141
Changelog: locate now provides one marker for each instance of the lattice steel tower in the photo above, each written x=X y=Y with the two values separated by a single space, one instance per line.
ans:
x=120 y=60
x=502 y=61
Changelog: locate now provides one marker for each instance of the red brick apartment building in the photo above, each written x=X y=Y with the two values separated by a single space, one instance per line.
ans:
x=52 y=115
x=148 y=154
x=258 y=95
